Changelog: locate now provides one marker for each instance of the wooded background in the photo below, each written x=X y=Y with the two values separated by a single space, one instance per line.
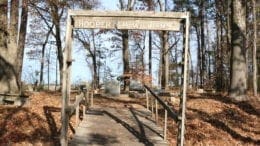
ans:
x=225 y=32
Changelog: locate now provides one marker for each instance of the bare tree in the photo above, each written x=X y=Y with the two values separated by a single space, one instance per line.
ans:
x=52 y=14
x=125 y=52
x=92 y=46
x=164 y=52
x=150 y=5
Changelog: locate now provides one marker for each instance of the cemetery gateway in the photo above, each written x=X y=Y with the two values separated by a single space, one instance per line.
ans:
x=141 y=20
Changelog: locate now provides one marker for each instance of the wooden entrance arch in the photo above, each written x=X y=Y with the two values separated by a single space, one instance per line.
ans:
x=144 y=20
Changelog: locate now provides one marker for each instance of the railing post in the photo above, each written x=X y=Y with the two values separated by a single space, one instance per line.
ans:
x=77 y=112
x=84 y=110
x=165 y=125
x=92 y=102
x=152 y=106
x=156 y=111
x=147 y=99
x=87 y=99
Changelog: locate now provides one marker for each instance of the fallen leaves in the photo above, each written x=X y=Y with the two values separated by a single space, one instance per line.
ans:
x=211 y=120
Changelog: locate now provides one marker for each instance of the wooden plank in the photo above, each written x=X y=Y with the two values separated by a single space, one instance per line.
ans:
x=127 y=23
x=114 y=127
x=136 y=14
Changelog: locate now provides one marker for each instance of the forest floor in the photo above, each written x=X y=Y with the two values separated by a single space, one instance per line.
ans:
x=211 y=120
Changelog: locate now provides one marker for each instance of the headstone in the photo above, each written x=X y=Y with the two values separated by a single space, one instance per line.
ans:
x=1 y=100
x=200 y=91
x=136 y=86
x=18 y=101
x=112 y=87
x=134 y=94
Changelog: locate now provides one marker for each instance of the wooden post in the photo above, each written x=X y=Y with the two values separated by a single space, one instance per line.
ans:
x=92 y=101
x=156 y=111
x=152 y=103
x=77 y=112
x=84 y=112
x=165 y=125
x=66 y=83
x=181 y=123
x=87 y=99
x=147 y=99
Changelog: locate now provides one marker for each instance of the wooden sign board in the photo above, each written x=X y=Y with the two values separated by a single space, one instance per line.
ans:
x=170 y=21
x=127 y=23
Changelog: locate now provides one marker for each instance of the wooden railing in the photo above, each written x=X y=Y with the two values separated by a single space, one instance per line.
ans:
x=86 y=99
x=168 y=110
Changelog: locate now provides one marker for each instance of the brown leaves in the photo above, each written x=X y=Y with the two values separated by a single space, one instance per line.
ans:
x=29 y=124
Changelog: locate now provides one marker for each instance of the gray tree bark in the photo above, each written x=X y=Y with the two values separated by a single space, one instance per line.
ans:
x=238 y=75
x=254 y=50
x=165 y=61
x=202 y=41
x=11 y=46
x=164 y=52
x=125 y=46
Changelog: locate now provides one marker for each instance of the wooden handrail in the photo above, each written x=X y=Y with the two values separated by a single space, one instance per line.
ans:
x=71 y=108
x=171 y=113
x=16 y=95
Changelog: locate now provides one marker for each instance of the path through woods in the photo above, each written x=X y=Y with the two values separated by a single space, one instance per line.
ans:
x=211 y=119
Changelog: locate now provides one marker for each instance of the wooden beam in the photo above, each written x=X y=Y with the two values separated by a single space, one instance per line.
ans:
x=181 y=124
x=66 y=84
x=141 y=20
x=136 y=14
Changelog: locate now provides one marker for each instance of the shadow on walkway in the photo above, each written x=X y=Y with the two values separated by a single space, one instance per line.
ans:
x=139 y=135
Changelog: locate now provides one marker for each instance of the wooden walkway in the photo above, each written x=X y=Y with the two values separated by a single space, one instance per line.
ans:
x=118 y=127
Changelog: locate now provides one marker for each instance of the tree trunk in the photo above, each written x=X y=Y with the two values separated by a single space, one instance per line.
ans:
x=254 y=50
x=56 y=21
x=258 y=43
x=199 y=58
x=43 y=53
x=165 y=61
x=21 y=40
x=238 y=85
x=150 y=7
x=150 y=53
x=202 y=40
x=94 y=59
x=219 y=75
x=164 y=52
x=228 y=38
x=125 y=51
x=11 y=47
x=126 y=58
